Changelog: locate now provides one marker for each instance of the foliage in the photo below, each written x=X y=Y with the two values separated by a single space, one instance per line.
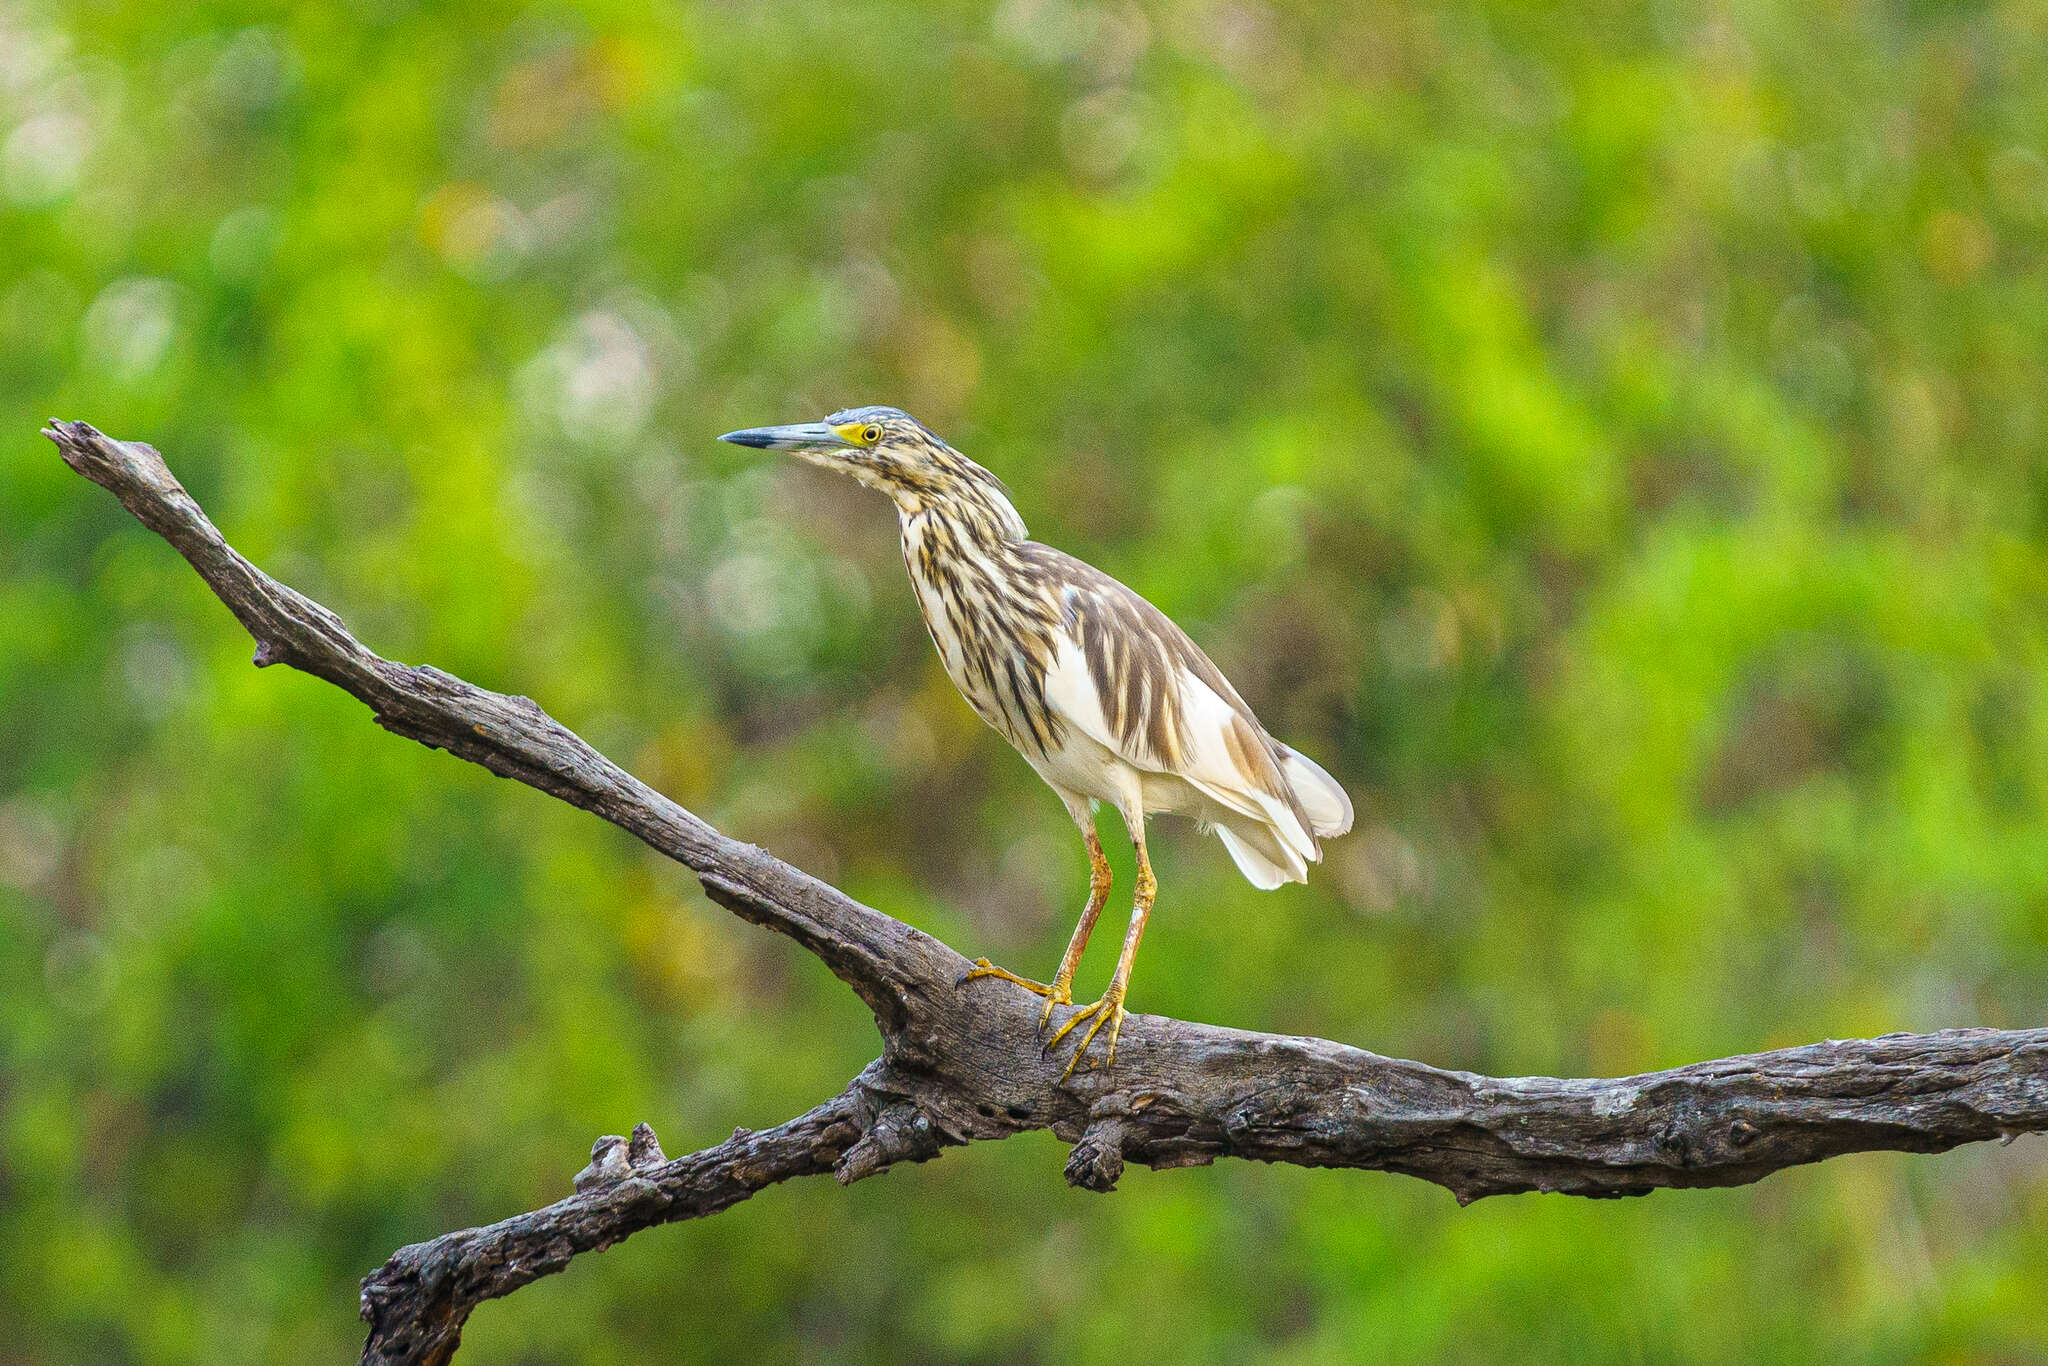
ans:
x=1609 y=437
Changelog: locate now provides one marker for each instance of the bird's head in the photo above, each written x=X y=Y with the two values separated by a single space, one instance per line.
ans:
x=888 y=449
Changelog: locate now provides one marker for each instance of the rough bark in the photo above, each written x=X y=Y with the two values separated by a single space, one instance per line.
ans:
x=962 y=1063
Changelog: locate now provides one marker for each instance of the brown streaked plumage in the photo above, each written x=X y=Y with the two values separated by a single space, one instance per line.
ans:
x=1103 y=695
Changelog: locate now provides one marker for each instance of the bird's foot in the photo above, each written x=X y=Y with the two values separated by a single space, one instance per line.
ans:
x=1057 y=994
x=1109 y=1010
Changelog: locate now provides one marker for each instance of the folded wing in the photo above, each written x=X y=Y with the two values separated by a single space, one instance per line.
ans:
x=1133 y=682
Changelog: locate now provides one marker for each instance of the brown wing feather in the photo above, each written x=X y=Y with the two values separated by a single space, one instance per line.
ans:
x=1134 y=653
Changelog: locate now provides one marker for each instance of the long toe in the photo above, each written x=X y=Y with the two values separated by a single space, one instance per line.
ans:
x=983 y=968
x=1107 y=1011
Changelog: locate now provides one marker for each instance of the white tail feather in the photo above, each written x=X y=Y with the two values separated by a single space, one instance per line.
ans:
x=1327 y=804
x=1265 y=813
x=1261 y=867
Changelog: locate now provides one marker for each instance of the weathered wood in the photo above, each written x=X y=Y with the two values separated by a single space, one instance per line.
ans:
x=963 y=1062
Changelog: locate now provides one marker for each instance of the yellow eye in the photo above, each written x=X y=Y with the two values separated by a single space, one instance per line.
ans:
x=870 y=435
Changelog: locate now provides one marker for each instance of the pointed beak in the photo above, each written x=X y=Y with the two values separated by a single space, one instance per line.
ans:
x=797 y=436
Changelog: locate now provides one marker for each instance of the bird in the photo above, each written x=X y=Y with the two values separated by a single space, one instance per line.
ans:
x=1095 y=687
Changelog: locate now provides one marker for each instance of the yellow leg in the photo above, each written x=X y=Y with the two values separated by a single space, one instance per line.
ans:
x=1110 y=1009
x=1061 y=991
x=1099 y=878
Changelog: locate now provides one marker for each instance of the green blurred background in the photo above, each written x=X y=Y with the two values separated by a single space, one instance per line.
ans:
x=1611 y=441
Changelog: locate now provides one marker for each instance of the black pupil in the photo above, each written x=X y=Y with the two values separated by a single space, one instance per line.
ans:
x=872 y=434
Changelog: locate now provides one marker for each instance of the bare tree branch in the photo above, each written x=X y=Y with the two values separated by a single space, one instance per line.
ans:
x=961 y=1063
x=418 y=1301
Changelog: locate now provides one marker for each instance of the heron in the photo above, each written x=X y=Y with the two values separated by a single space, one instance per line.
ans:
x=1099 y=691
